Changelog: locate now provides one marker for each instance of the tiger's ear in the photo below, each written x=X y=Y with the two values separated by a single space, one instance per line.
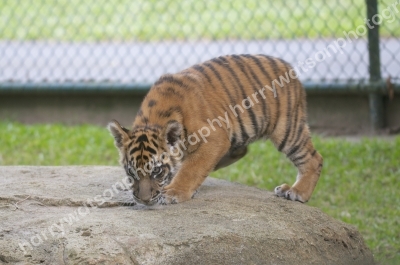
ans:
x=173 y=132
x=119 y=133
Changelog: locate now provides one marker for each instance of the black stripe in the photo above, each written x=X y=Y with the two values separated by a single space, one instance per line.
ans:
x=233 y=141
x=259 y=64
x=201 y=69
x=301 y=163
x=210 y=66
x=154 y=143
x=275 y=70
x=151 y=150
x=169 y=79
x=171 y=90
x=217 y=76
x=296 y=148
x=299 y=157
x=288 y=117
x=300 y=131
x=240 y=85
x=126 y=164
x=314 y=152
x=259 y=83
x=266 y=74
x=164 y=113
x=218 y=60
x=167 y=113
x=251 y=81
x=168 y=92
x=152 y=103
x=142 y=138
x=301 y=145
x=293 y=151
x=134 y=150
x=297 y=107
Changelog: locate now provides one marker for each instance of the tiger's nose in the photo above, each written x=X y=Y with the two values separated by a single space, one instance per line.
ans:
x=145 y=191
x=145 y=197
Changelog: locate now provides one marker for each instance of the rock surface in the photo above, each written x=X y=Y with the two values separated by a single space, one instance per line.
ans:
x=44 y=220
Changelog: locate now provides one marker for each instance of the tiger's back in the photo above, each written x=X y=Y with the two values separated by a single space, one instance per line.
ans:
x=217 y=108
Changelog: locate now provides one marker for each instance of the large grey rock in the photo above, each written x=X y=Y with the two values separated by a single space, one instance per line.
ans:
x=225 y=223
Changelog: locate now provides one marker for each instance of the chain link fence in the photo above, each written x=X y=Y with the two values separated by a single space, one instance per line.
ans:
x=129 y=43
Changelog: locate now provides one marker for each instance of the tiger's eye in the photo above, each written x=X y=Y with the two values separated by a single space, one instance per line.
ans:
x=156 y=170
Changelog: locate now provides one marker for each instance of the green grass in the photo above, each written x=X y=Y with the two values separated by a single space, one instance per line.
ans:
x=55 y=145
x=359 y=183
x=144 y=20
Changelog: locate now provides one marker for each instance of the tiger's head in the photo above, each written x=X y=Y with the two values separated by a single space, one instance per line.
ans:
x=151 y=156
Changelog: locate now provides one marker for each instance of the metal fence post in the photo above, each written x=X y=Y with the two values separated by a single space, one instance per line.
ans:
x=375 y=99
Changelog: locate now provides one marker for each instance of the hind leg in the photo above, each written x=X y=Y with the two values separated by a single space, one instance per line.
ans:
x=300 y=150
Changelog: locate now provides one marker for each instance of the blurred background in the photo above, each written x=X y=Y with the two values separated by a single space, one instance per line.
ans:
x=67 y=67
x=84 y=57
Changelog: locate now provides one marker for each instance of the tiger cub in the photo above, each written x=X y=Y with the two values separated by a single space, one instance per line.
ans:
x=203 y=118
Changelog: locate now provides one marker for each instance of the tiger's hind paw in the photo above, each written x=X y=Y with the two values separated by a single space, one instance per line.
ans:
x=289 y=193
x=281 y=190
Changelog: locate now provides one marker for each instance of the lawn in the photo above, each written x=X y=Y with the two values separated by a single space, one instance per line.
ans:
x=144 y=20
x=359 y=183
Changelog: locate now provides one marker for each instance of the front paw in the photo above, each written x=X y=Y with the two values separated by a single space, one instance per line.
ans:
x=172 y=195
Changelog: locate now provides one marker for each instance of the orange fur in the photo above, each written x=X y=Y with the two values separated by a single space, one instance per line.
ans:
x=224 y=102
